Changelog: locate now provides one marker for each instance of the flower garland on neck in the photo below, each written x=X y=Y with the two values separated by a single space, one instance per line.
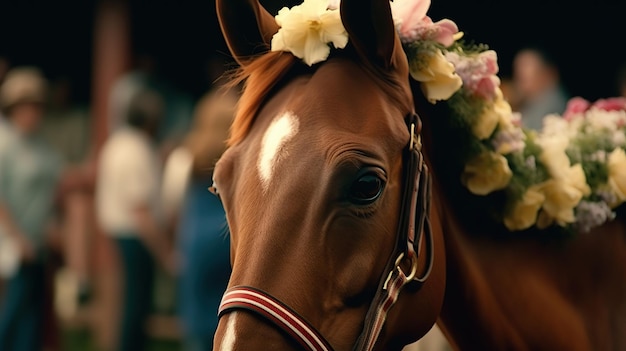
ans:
x=572 y=174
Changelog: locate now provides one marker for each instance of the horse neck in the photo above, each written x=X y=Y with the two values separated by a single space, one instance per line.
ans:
x=522 y=293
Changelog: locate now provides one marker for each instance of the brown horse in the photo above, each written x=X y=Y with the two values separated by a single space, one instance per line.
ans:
x=313 y=186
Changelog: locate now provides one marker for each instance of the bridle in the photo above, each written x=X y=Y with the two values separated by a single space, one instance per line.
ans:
x=413 y=223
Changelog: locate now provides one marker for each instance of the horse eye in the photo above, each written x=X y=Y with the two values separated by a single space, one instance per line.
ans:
x=366 y=189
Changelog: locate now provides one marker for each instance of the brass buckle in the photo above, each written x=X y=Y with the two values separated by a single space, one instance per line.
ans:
x=398 y=267
x=416 y=140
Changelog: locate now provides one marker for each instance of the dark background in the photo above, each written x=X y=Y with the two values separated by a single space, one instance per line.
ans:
x=586 y=39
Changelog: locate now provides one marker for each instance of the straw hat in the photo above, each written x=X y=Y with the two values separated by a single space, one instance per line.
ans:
x=23 y=85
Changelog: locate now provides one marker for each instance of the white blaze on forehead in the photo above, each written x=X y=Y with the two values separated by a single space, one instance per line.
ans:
x=283 y=128
x=228 y=342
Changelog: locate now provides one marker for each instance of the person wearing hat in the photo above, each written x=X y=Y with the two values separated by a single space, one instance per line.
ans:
x=29 y=174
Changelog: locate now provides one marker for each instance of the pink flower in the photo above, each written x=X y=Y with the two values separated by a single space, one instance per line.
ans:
x=413 y=24
x=486 y=86
x=611 y=104
x=575 y=106
x=478 y=72
x=444 y=32
x=409 y=13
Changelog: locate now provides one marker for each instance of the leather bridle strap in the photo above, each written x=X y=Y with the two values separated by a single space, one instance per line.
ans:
x=265 y=305
x=394 y=284
x=413 y=223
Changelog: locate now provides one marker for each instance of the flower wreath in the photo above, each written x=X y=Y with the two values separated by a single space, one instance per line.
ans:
x=571 y=174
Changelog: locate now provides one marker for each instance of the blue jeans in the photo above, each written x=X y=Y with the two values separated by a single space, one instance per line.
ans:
x=21 y=311
x=138 y=272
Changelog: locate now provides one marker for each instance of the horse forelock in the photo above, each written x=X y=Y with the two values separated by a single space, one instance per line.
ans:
x=260 y=76
x=264 y=73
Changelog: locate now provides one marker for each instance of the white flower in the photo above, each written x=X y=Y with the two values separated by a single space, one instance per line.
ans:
x=554 y=124
x=618 y=137
x=436 y=73
x=557 y=126
x=599 y=119
x=308 y=29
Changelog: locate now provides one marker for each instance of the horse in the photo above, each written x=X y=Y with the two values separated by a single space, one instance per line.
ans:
x=315 y=183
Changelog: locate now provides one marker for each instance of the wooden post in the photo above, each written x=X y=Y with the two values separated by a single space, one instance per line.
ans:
x=111 y=59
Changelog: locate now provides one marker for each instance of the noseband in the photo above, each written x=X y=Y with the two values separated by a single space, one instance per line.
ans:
x=401 y=268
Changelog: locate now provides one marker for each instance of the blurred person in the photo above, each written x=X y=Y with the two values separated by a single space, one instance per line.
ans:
x=7 y=252
x=4 y=68
x=66 y=128
x=29 y=175
x=203 y=243
x=127 y=192
x=177 y=106
x=537 y=80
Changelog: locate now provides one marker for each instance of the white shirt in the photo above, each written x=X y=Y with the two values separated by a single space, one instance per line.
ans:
x=5 y=131
x=128 y=177
x=9 y=252
x=175 y=180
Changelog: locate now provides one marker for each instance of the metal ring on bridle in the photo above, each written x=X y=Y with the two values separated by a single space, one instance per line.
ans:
x=416 y=139
x=408 y=277
x=412 y=142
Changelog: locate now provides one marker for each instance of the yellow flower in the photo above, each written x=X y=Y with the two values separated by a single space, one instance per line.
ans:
x=567 y=185
x=486 y=173
x=498 y=112
x=560 y=201
x=436 y=73
x=553 y=155
x=307 y=29
x=524 y=213
x=563 y=195
x=617 y=175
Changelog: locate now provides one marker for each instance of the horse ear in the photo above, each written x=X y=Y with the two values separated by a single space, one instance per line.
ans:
x=247 y=27
x=369 y=24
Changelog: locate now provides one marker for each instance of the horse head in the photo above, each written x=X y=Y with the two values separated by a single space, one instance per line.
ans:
x=325 y=193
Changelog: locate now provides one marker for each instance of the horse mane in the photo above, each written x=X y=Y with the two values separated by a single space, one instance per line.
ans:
x=259 y=76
